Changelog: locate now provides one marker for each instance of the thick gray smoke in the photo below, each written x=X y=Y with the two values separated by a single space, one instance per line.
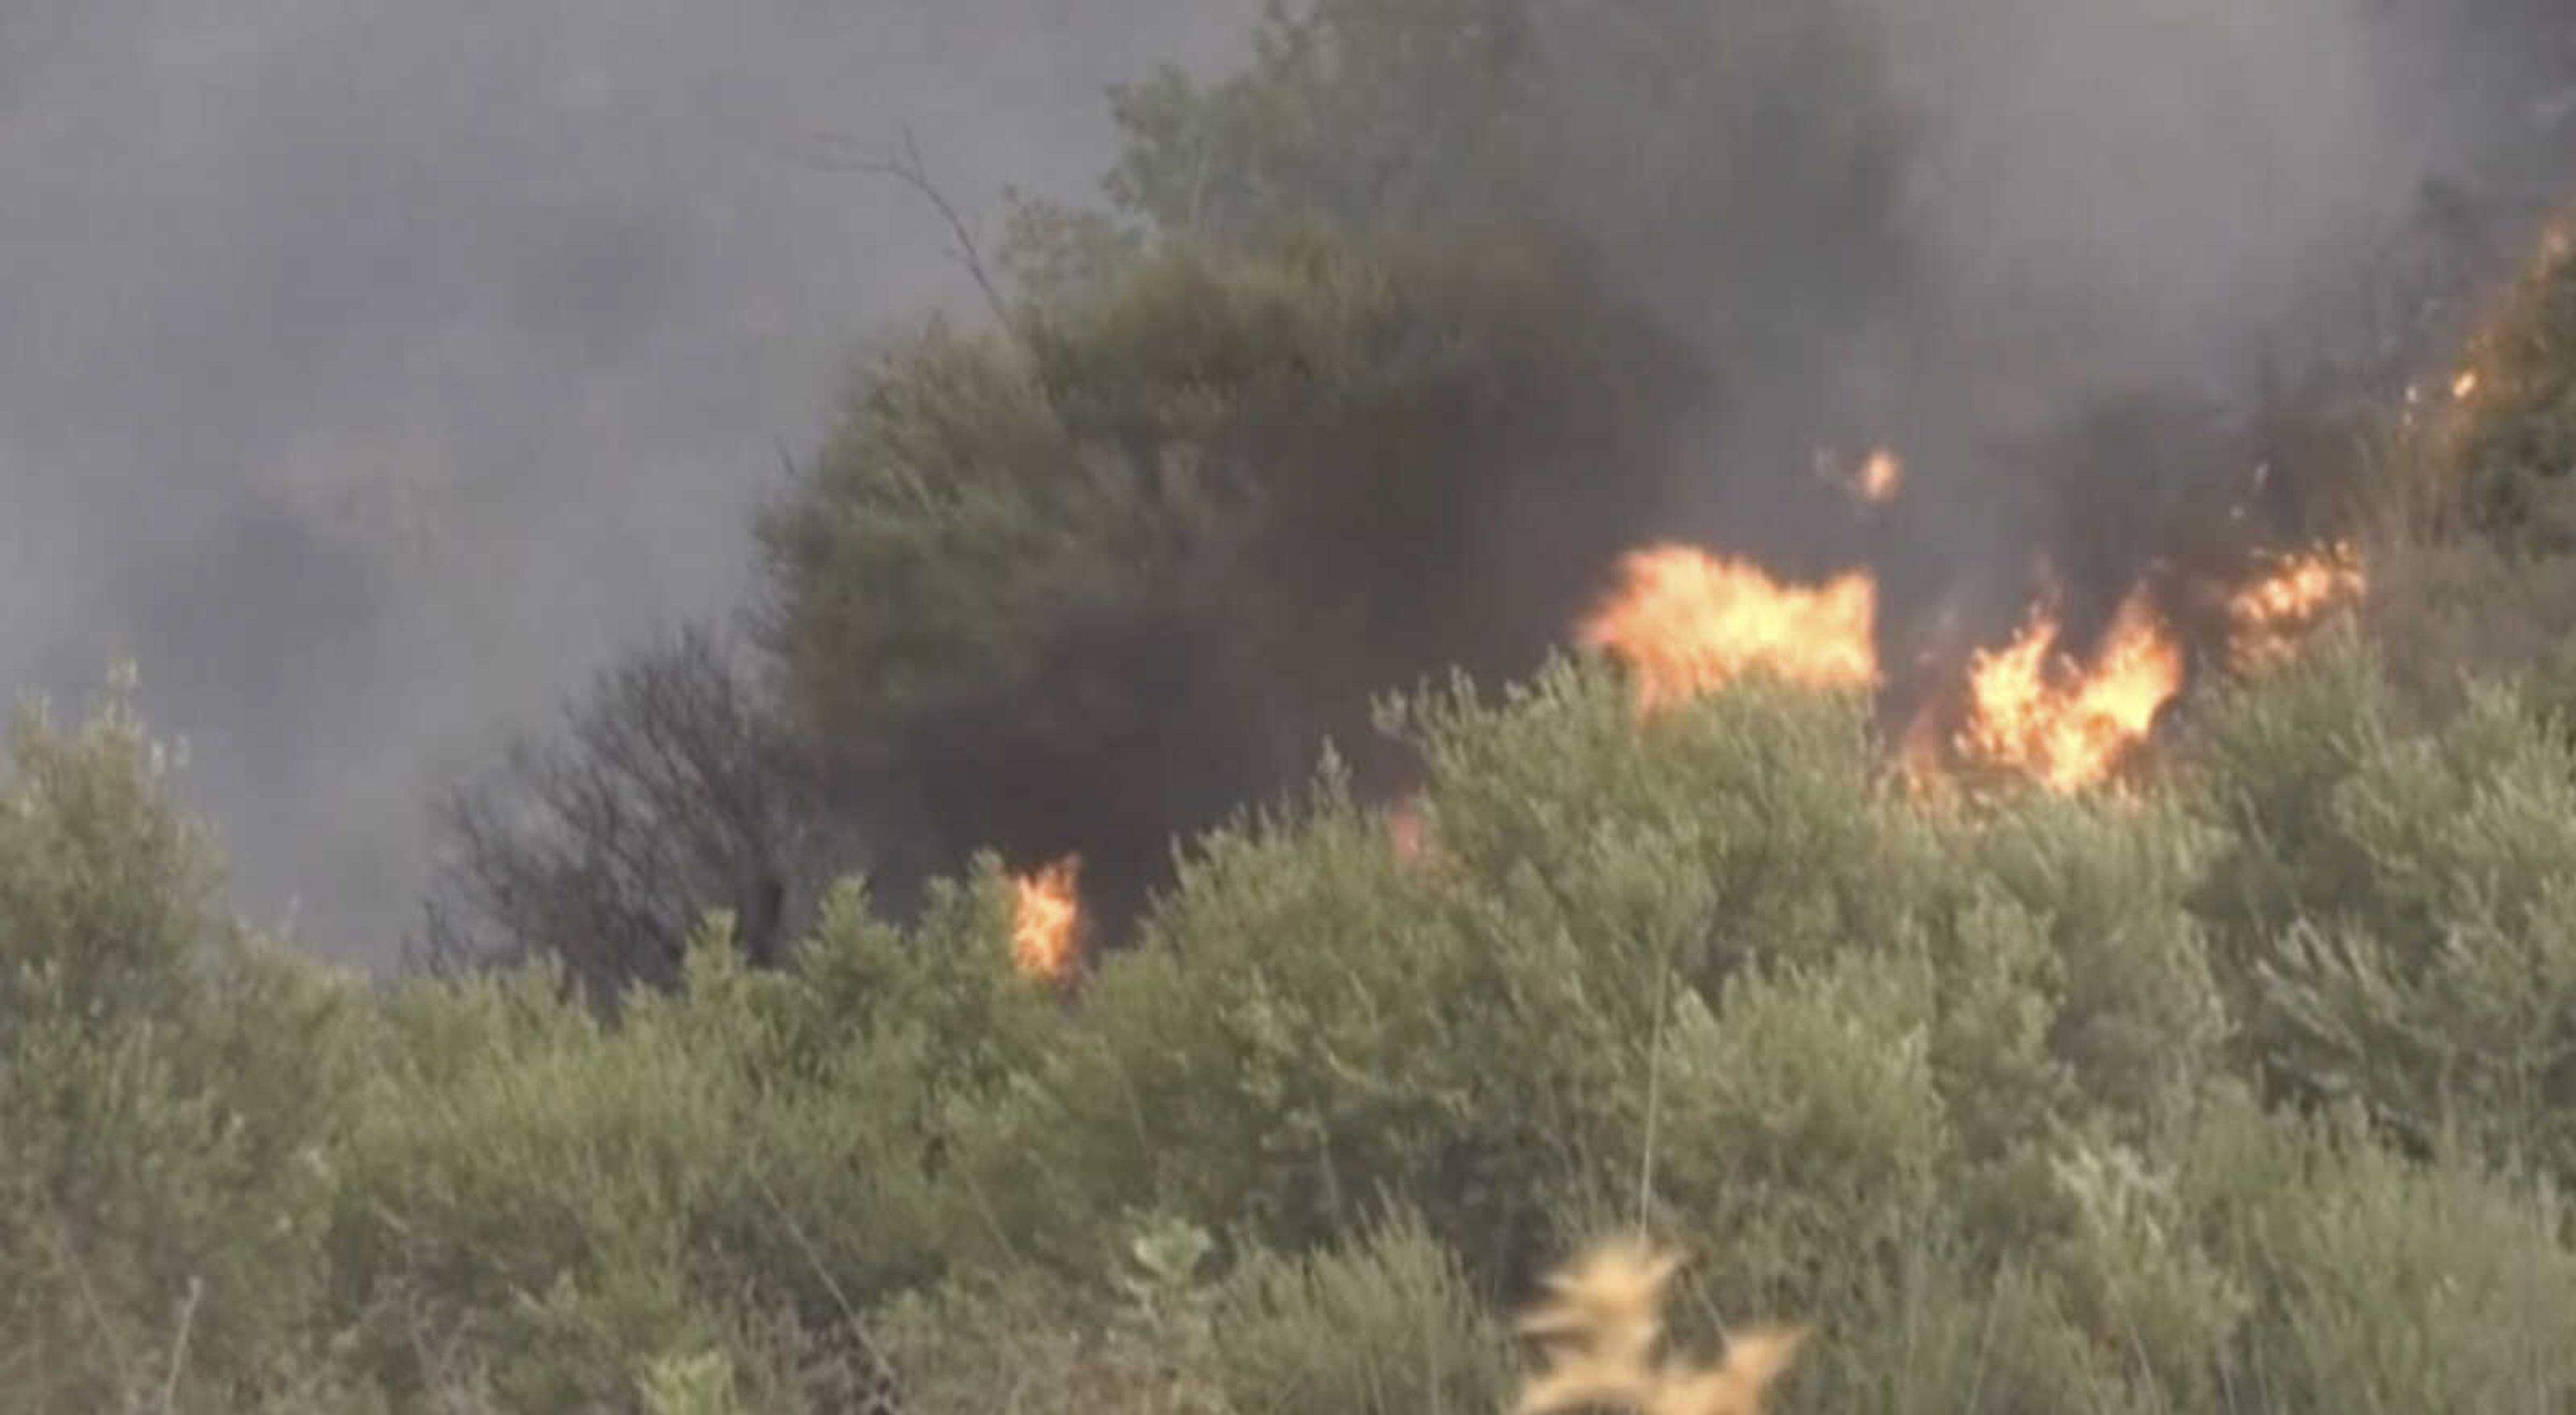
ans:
x=2110 y=226
x=374 y=372
x=2159 y=191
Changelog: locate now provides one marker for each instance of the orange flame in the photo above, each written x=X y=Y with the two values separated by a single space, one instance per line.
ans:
x=1881 y=478
x=1410 y=832
x=2069 y=726
x=1687 y=622
x=1046 y=918
x=2465 y=384
x=2270 y=616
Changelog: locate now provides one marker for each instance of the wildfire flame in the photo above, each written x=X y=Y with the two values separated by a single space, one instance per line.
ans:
x=2464 y=385
x=1408 y=830
x=1881 y=478
x=2068 y=725
x=2269 y=617
x=1685 y=622
x=1046 y=919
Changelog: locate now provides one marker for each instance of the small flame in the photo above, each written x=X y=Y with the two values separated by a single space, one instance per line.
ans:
x=1882 y=477
x=2272 y=615
x=1407 y=828
x=1687 y=622
x=1919 y=759
x=2464 y=385
x=2033 y=709
x=1046 y=919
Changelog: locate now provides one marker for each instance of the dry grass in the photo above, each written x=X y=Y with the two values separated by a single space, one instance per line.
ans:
x=1602 y=1330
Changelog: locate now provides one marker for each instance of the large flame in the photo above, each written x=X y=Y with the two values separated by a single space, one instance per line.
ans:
x=1046 y=919
x=2070 y=725
x=1686 y=621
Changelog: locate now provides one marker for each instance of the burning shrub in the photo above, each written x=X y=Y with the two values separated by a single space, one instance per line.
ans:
x=2516 y=455
x=2482 y=583
x=1314 y=1020
x=1971 y=1083
x=1099 y=580
x=1100 y=584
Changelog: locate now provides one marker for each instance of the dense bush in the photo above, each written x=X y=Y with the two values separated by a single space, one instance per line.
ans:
x=1747 y=161
x=2517 y=453
x=2246 y=1089
x=171 y=1094
x=2480 y=573
x=1094 y=582
x=1380 y=350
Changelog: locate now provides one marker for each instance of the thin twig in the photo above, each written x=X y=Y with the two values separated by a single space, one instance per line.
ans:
x=851 y=1320
x=1654 y=1095
x=60 y=1233
x=179 y=1346
x=908 y=168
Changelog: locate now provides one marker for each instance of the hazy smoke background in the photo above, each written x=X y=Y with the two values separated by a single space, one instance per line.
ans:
x=373 y=372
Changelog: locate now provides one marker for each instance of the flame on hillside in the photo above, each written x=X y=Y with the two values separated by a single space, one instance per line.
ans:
x=2270 y=617
x=1408 y=830
x=1687 y=621
x=1882 y=477
x=2036 y=710
x=1876 y=480
x=1046 y=920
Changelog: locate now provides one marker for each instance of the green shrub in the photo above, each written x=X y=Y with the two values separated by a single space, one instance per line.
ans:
x=2245 y=1089
x=1093 y=581
x=2369 y=1280
x=1387 y=1321
x=1387 y=1324
x=2393 y=907
x=2515 y=456
x=172 y=1094
x=567 y=1202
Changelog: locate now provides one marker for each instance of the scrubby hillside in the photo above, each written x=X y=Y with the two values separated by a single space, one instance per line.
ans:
x=2232 y=1069
x=2248 y=1089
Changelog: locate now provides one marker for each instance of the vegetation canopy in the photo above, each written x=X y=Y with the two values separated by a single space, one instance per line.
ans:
x=1565 y=964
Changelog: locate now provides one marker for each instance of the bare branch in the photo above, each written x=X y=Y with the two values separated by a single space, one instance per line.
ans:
x=179 y=1347
x=671 y=792
x=907 y=167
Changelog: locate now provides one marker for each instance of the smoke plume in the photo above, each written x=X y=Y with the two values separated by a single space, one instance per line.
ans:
x=377 y=372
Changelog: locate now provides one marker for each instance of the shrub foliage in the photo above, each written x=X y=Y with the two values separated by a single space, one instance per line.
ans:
x=2249 y=1086
x=2252 y=1080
